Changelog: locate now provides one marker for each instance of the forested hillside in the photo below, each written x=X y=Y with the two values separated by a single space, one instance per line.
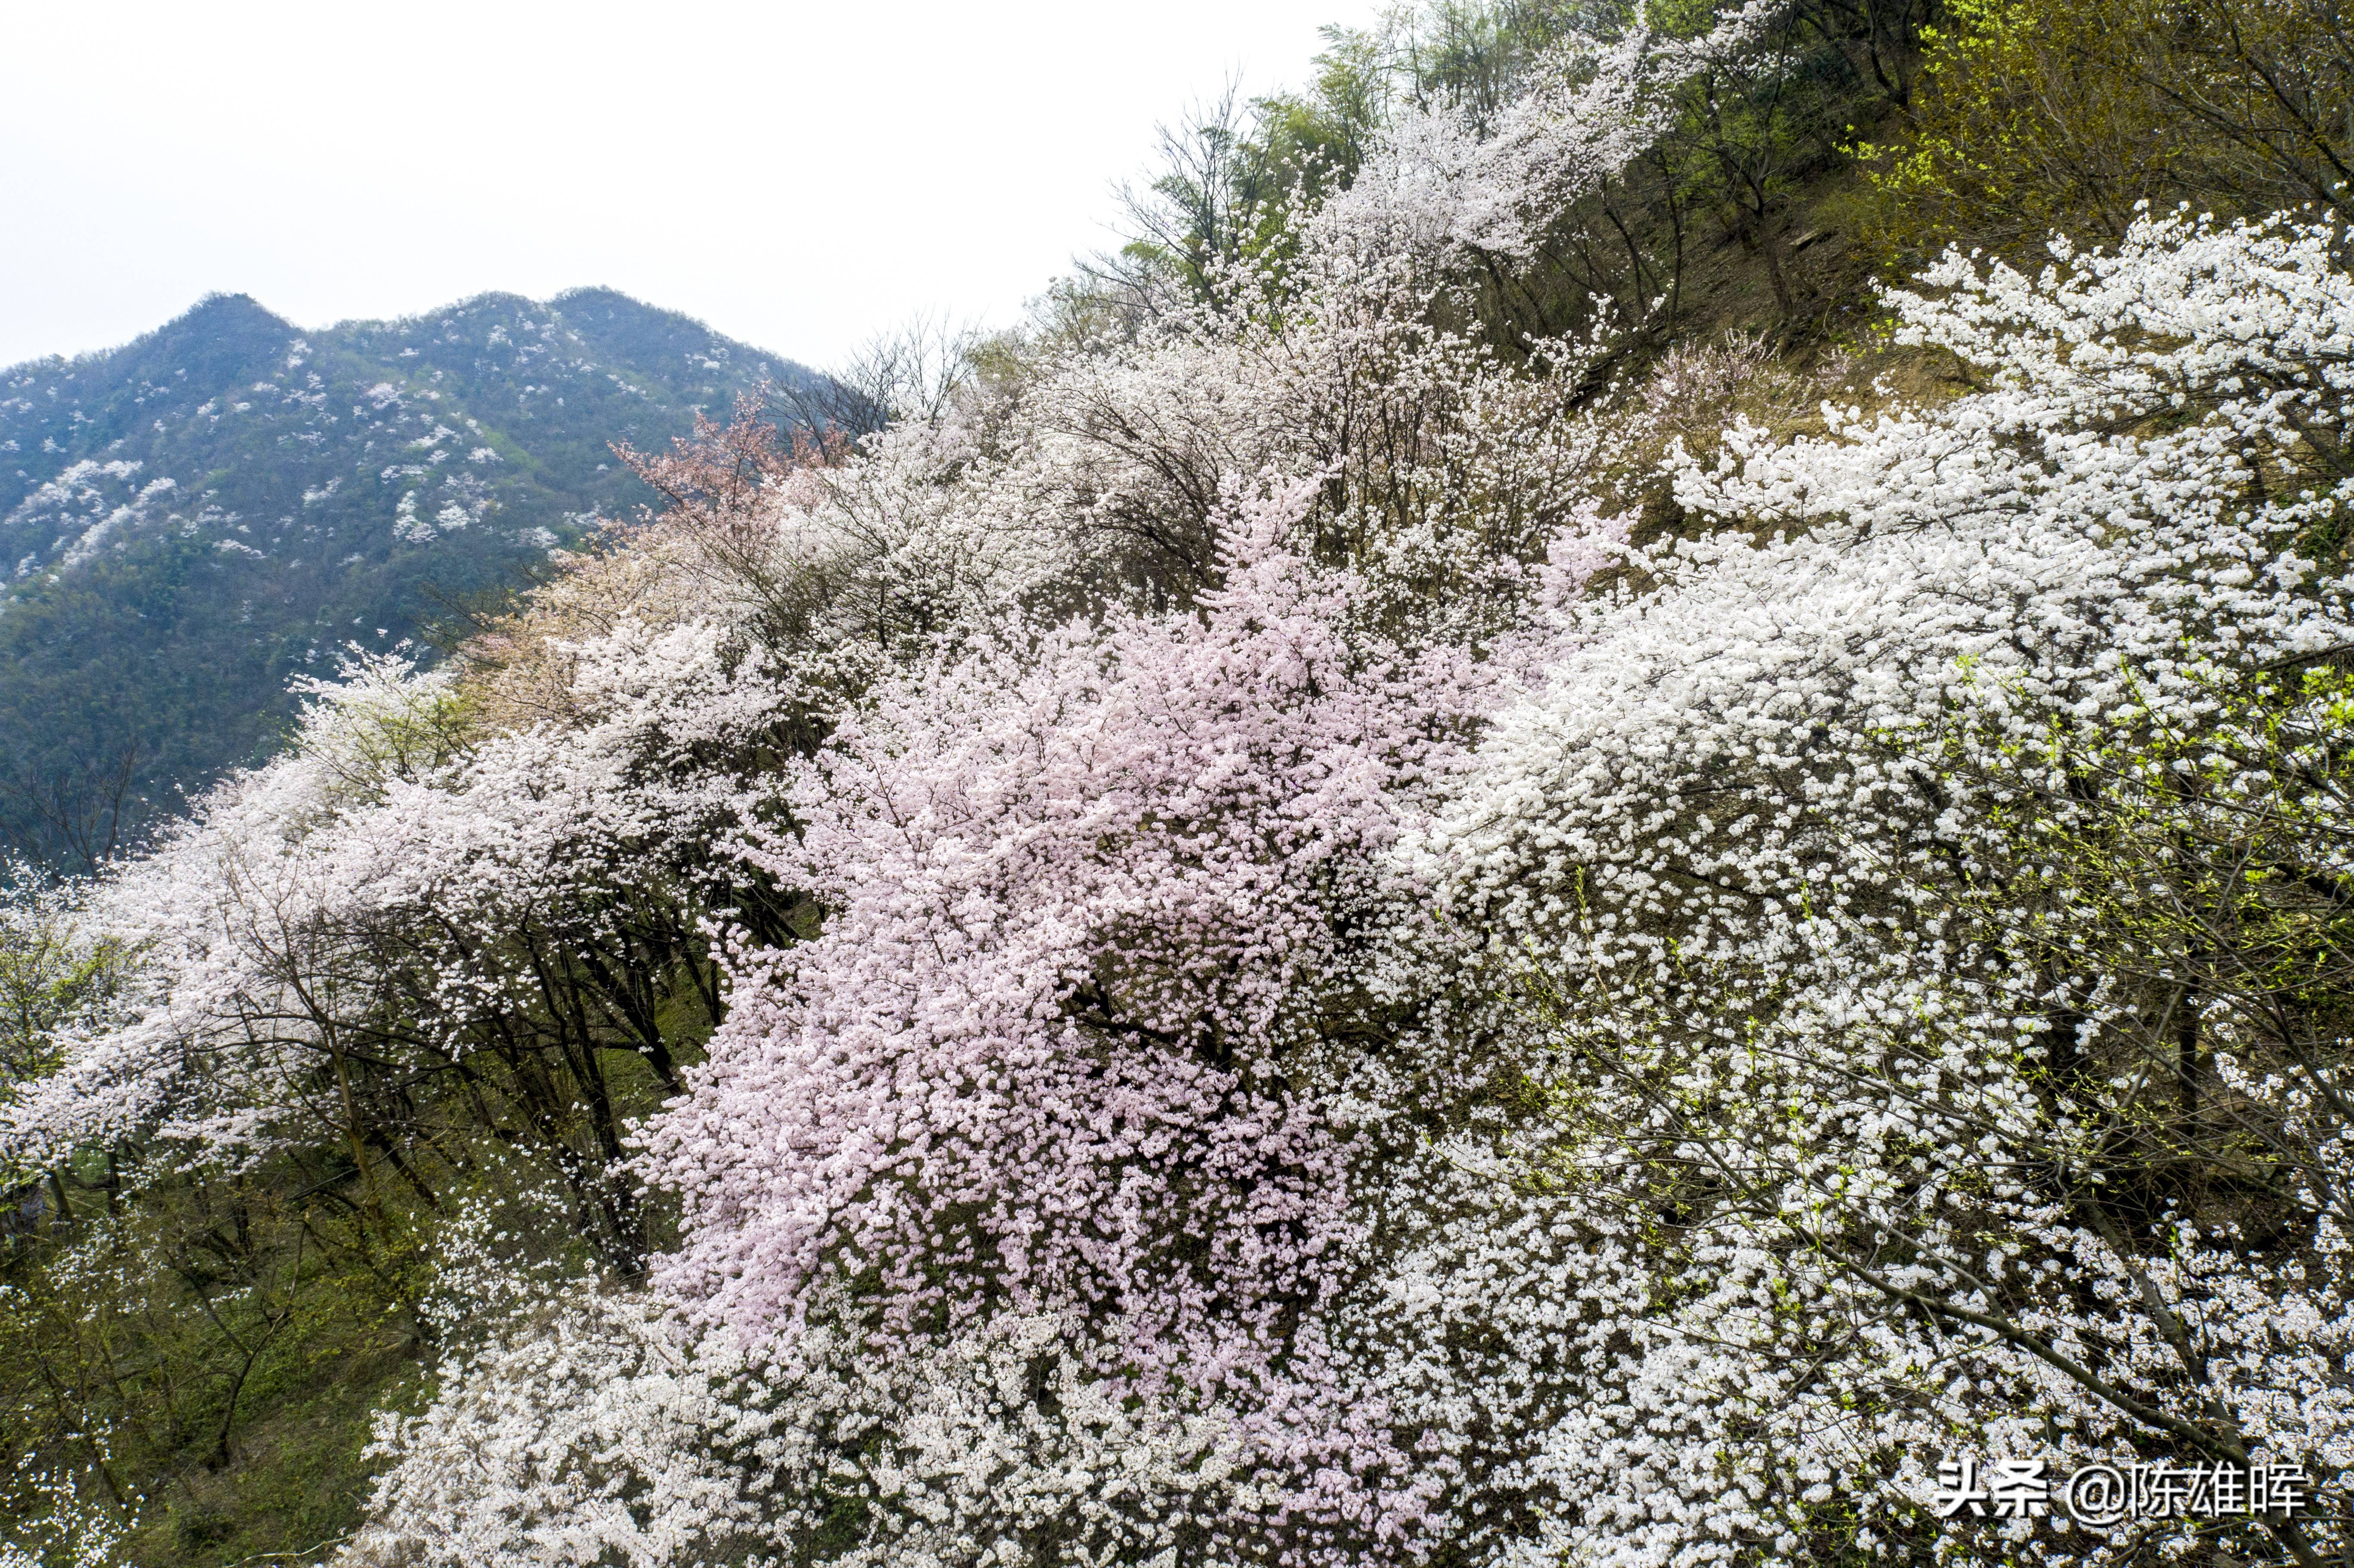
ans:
x=194 y=521
x=1604 y=818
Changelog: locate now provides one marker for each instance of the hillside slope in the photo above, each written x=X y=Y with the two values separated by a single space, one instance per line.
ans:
x=191 y=521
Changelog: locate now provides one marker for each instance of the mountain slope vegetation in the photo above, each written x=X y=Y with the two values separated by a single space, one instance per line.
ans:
x=1474 y=862
x=194 y=521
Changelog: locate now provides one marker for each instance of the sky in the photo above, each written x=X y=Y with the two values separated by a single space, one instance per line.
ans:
x=800 y=176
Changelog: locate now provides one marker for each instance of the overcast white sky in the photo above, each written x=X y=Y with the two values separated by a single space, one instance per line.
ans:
x=798 y=176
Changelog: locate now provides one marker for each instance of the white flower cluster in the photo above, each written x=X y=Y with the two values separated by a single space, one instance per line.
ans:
x=1823 y=1111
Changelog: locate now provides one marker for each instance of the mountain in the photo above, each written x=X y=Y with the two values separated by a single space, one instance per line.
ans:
x=189 y=522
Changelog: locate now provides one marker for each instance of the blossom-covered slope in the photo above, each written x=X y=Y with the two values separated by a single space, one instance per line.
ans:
x=1304 y=927
x=188 y=521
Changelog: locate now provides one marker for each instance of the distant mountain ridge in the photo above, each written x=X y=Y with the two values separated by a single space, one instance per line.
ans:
x=188 y=522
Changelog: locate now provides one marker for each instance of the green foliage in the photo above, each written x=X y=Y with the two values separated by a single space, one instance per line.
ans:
x=1231 y=178
x=199 y=1348
x=2034 y=121
x=2041 y=115
x=1472 y=55
x=47 y=977
x=187 y=1358
x=1749 y=130
x=202 y=1353
x=2185 y=866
